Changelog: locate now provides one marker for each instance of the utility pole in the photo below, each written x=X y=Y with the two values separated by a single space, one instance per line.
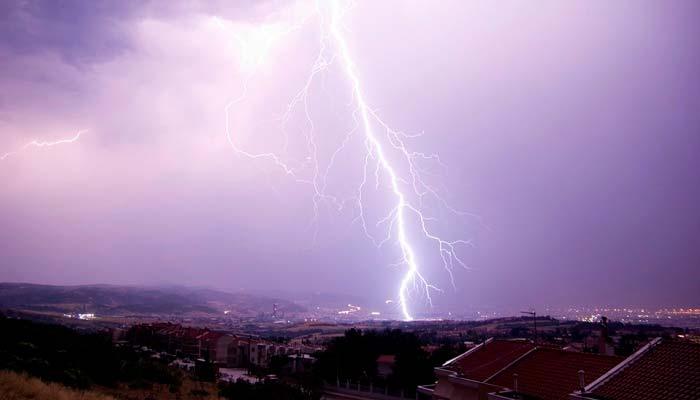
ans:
x=534 y=321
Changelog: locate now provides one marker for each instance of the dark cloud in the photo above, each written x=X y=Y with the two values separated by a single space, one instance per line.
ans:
x=80 y=31
x=93 y=31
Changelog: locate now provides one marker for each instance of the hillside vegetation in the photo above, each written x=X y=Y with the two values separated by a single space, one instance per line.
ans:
x=14 y=386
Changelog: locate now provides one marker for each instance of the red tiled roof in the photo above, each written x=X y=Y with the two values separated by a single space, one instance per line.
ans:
x=482 y=362
x=669 y=370
x=386 y=359
x=211 y=336
x=551 y=374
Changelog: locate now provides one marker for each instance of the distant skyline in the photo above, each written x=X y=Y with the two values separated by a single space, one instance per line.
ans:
x=569 y=134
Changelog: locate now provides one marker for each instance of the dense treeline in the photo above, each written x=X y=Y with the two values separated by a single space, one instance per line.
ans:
x=59 y=354
x=354 y=357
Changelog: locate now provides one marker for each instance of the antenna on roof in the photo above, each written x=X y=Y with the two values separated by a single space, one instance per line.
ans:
x=534 y=320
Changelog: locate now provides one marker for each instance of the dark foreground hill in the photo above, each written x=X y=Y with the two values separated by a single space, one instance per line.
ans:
x=126 y=300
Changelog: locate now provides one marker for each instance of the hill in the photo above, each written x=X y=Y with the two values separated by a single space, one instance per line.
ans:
x=135 y=300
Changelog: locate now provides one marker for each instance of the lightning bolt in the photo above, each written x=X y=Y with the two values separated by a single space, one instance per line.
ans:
x=37 y=143
x=408 y=188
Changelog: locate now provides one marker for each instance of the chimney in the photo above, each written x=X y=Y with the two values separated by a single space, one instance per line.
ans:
x=581 y=381
x=603 y=338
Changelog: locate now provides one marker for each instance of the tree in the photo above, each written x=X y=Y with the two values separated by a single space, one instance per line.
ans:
x=354 y=357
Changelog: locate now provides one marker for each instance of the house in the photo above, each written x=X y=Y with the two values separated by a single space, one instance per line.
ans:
x=663 y=369
x=508 y=369
x=385 y=365
x=216 y=346
x=240 y=354
x=260 y=353
x=465 y=377
x=222 y=348
x=298 y=363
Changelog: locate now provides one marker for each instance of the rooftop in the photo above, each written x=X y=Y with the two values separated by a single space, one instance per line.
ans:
x=386 y=359
x=665 y=369
x=549 y=373
x=485 y=360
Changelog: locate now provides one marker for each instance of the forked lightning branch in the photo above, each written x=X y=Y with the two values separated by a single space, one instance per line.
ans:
x=406 y=218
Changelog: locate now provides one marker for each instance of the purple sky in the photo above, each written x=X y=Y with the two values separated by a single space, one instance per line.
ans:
x=571 y=130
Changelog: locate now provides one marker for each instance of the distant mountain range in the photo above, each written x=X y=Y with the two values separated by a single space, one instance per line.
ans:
x=141 y=300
